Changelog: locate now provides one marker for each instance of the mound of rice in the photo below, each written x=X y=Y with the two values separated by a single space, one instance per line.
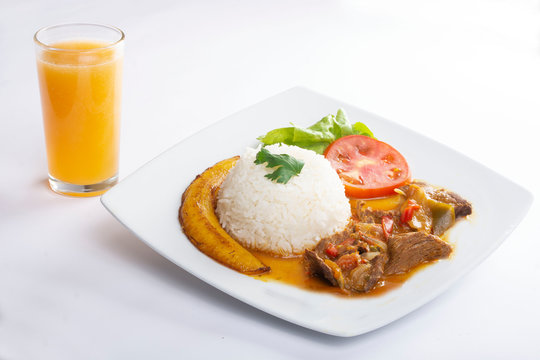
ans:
x=283 y=219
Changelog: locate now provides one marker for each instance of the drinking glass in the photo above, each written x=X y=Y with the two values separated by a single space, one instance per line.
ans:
x=80 y=73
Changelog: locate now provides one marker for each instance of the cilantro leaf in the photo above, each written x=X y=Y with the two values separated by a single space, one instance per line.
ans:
x=287 y=166
x=318 y=136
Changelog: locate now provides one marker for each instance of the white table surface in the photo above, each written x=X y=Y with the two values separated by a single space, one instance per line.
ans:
x=75 y=284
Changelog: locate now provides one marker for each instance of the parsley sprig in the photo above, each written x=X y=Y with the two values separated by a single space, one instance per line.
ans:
x=287 y=166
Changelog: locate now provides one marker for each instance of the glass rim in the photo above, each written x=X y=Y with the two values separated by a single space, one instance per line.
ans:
x=108 y=46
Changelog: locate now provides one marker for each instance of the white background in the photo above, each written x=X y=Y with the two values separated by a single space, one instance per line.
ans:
x=75 y=284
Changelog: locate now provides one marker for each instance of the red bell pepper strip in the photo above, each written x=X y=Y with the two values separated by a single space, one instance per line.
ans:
x=407 y=213
x=331 y=250
x=387 y=223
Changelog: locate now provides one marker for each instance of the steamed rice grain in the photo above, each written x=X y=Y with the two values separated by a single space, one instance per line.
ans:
x=283 y=219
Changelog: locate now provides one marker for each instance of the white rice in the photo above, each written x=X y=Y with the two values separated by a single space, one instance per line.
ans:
x=283 y=219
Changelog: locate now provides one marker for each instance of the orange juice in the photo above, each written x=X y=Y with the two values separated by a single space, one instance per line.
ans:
x=80 y=84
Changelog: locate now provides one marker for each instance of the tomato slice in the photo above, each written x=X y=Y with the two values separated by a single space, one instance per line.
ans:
x=367 y=167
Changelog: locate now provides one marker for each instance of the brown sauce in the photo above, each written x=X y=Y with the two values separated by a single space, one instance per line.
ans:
x=291 y=270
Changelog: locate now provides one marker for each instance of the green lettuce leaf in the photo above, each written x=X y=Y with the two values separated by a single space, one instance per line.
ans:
x=318 y=136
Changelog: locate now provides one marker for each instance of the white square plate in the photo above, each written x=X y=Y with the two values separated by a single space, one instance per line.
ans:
x=147 y=203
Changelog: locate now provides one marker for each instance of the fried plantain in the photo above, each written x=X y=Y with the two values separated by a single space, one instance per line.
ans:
x=201 y=225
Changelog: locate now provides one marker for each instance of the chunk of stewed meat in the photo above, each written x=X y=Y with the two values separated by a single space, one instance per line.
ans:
x=366 y=275
x=408 y=250
x=353 y=260
x=317 y=266
x=374 y=216
x=462 y=207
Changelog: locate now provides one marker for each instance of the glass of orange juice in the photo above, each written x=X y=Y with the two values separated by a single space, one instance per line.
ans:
x=80 y=73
